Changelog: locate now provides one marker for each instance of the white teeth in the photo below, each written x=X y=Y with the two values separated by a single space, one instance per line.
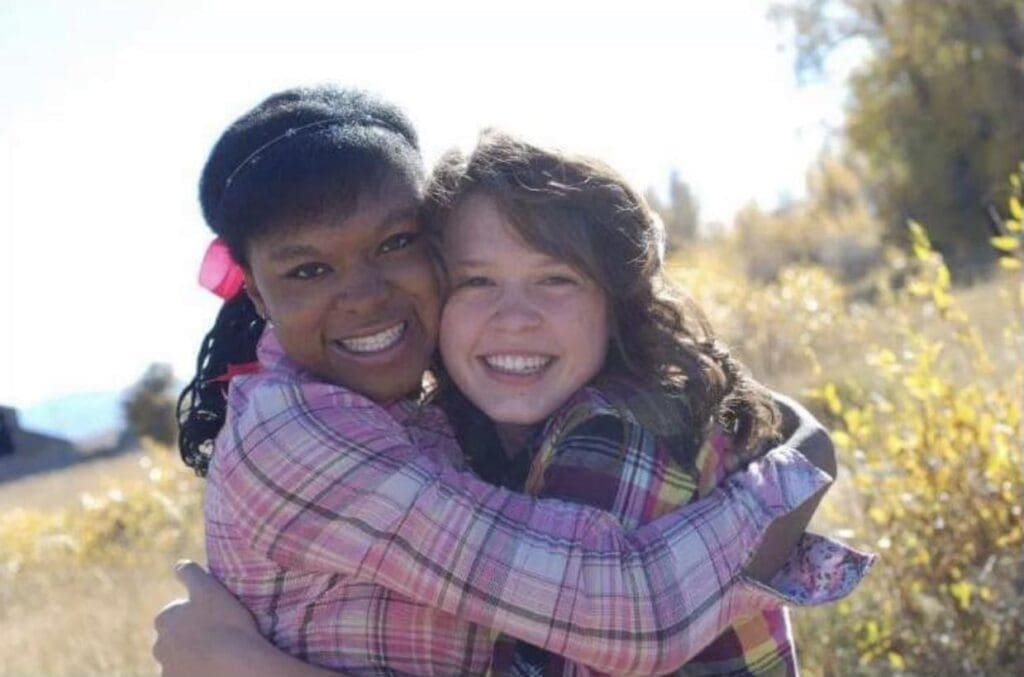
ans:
x=376 y=342
x=517 y=364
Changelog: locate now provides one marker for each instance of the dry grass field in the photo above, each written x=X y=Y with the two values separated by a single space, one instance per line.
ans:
x=85 y=563
x=63 y=488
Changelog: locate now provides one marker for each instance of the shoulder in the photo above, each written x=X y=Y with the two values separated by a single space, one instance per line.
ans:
x=594 y=428
x=589 y=410
x=622 y=423
x=625 y=407
x=276 y=417
x=279 y=396
x=429 y=429
x=582 y=451
x=600 y=454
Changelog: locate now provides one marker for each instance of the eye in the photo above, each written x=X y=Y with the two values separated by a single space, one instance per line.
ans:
x=559 y=280
x=398 y=241
x=474 y=281
x=308 y=271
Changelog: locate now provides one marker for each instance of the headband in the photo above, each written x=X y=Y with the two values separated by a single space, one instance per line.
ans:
x=290 y=133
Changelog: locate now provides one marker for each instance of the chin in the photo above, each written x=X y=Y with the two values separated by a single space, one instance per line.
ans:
x=516 y=417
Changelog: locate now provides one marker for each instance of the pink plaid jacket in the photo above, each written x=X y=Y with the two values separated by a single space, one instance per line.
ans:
x=357 y=543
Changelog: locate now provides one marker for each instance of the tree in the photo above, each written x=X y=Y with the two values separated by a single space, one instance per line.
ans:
x=834 y=227
x=149 y=405
x=681 y=215
x=936 y=110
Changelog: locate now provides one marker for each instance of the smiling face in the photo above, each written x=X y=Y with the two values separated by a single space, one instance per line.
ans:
x=353 y=298
x=520 y=330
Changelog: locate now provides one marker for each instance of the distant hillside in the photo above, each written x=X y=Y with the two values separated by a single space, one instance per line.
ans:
x=75 y=417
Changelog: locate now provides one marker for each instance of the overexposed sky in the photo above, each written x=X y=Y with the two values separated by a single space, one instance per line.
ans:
x=109 y=109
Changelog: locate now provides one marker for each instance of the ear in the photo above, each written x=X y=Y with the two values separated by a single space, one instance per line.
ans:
x=254 y=294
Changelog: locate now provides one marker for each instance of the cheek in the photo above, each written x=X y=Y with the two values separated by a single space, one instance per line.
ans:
x=287 y=308
x=455 y=329
x=417 y=276
x=589 y=336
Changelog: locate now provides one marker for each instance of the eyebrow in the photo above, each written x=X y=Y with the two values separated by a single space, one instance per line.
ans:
x=296 y=251
x=396 y=216
x=293 y=251
x=542 y=261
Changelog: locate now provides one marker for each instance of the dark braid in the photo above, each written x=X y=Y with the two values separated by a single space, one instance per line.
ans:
x=202 y=404
x=297 y=155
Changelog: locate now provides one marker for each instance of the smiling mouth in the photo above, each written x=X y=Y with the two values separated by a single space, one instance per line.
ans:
x=521 y=365
x=374 y=343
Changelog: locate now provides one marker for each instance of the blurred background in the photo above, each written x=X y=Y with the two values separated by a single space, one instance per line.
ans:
x=841 y=185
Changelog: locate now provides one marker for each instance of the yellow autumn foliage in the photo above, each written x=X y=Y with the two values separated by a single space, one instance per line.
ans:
x=931 y=438
x=923 y=387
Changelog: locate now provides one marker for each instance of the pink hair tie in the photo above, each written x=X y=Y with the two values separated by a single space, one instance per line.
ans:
x=237 y=370
x=219 y=273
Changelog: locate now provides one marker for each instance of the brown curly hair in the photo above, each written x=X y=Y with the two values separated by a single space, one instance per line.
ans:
x=579 y=210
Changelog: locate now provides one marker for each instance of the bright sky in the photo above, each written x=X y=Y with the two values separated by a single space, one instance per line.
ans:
x=109 y=110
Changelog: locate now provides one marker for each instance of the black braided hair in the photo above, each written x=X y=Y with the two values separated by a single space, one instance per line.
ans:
x=201 y=406
x=299 y=154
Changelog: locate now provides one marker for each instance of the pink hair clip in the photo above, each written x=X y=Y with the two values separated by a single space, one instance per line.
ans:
x=219 y=273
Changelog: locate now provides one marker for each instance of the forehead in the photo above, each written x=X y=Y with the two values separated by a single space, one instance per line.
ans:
x=375 y=208
x=479 y=229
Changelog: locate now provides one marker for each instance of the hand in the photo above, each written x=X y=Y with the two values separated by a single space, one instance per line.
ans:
x=209 y=633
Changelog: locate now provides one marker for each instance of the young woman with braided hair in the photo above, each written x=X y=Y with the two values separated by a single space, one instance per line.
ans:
x=335 y=507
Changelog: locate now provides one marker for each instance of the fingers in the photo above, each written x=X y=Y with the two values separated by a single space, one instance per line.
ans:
x=177 y=618
x=207 y=597
x=164 y=624
x=192 y=576
x=166 y=616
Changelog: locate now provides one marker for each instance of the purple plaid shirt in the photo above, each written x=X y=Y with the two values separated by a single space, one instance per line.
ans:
x=357 y=543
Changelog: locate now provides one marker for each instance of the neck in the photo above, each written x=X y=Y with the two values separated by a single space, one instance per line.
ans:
x=514 y=437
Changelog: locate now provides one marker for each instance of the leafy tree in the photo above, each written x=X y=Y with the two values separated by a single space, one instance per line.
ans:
x=681 y=215
x=149 y=405
x=936 y=110
x=834 y=227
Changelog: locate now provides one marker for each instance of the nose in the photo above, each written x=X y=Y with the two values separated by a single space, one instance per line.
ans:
x=515 y=311
x=362 y=290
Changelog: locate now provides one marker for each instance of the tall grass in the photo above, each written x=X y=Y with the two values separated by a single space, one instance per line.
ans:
x=79 y=586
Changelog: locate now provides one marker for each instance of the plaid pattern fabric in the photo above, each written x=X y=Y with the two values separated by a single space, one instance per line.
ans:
x=595 y=452
x=347 y=531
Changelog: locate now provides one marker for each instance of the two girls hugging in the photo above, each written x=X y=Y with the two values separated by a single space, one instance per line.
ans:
x=462 y=423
